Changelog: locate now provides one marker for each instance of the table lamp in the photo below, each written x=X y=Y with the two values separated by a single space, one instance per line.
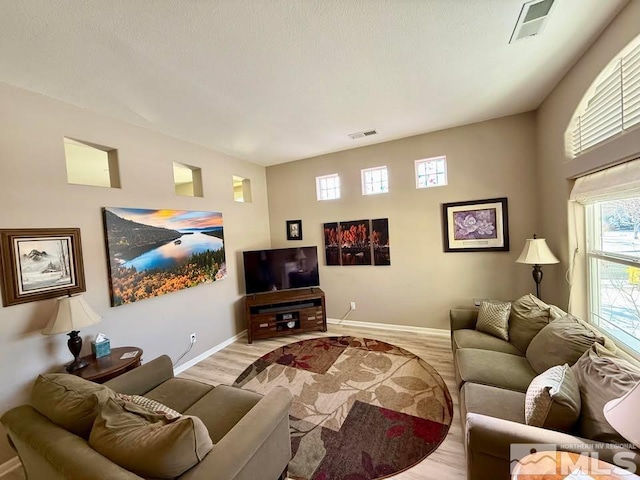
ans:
x=536 y=252
x=623 y=415
x=72 y=313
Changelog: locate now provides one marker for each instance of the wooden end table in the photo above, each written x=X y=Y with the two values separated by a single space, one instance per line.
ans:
x=110 y=366
x=558 y=465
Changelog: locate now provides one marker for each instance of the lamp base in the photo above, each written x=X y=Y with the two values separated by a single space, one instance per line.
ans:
x=76 y=365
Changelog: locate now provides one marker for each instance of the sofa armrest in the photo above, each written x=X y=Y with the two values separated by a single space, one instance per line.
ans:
x=232 y=453
x=489 y=439
x=49 y=451
x=144 y=378
x=461 y=318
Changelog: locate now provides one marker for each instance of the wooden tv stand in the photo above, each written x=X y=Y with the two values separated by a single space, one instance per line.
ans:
x=285 y=312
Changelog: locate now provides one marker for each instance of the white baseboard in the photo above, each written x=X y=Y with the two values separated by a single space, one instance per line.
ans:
x=181 y=368
x=389 y=326
x=9 y=466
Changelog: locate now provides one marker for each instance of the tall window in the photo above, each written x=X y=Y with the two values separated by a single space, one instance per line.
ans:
x=375 y=180
x=431 y=172
x=328 y=187
x=612 y=105
x=613 y=251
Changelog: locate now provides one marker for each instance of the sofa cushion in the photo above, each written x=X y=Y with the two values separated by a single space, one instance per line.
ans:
x=495 y=369
x=602 y=377
x=562 y=341
x=553 y=399
x=222 y=408
x=179 y=393
x=493 y=318
x=483 y=341
x=492 y=401
x=528 y=316
x=146 y=443
x=69 y=401
x=151 y=405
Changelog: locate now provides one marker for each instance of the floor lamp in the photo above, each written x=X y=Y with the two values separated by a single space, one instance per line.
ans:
x=536 y=252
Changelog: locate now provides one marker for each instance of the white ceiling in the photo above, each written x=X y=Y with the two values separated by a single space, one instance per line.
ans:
x=273 y=81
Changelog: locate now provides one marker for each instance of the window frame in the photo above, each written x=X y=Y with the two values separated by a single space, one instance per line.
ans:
x=383 y=182
x=425 y=161
x=320 y=189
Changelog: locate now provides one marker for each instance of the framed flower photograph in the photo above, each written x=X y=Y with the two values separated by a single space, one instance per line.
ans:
x=40 y=263
x=476 y=226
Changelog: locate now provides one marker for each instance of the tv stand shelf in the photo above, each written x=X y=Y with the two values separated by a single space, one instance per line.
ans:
x=285 y=312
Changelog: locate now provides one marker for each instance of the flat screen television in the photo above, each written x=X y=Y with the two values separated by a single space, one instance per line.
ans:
x=280 y=269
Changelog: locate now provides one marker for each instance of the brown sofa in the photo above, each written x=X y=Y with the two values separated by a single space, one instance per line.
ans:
x=250 y=432
x=493 y=376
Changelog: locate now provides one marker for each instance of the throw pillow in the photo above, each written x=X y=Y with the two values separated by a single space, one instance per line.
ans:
x=146 y=443
x=493 y=318
x=528 y=316
x=69 y=401
x=562 y=341
x=553 y=399
x=602 y=377
x=149 y=404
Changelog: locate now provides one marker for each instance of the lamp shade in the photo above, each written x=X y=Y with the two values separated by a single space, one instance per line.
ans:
x=72 y=313
x=536 y=252
x=623 y=415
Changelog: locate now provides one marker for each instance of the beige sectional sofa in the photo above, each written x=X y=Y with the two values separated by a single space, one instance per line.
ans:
x=493 y=375
x=242 y=435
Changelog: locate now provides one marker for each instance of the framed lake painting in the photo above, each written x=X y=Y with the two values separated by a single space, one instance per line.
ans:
x=153 y=252
x=476 y=226
x=40 y=263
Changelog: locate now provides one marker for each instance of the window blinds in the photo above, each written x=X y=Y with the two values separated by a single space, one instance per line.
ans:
x=614 y=106
x=621 y=181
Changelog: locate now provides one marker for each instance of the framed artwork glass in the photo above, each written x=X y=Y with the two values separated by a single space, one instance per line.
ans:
x=476 y=226
x=40 y=263
x=294 y=229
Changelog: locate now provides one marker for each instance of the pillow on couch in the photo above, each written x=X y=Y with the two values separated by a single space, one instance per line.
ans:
x=553 y=399
x=602 y=377
x=149 y=404
x=69 y=401
x=146 y=443
x=562 y=341
x=528 y=316
x=493 y=318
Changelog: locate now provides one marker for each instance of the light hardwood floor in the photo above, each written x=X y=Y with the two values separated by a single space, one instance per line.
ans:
x=447 y=462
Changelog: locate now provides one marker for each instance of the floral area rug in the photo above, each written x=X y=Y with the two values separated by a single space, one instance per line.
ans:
x=362 y=408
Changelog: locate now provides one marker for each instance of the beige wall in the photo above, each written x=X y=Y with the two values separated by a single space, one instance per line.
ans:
x=485 y=160
x=555 y=169
x=35 y=193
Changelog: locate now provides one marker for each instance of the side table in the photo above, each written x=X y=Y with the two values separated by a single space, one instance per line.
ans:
x=110 y=366
x=559 y=465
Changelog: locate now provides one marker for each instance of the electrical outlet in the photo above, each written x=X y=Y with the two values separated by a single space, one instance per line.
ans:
x=192 y=338
x=353 y=305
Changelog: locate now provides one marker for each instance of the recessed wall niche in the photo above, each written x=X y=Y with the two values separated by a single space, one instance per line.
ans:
x=241 y=189
x=91 y=164
x=187 y=180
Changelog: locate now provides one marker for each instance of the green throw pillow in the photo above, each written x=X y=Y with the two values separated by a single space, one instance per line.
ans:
x=493 y=318
x=528 y=316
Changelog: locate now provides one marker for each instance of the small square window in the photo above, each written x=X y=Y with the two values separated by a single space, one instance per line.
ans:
x=328 y=187
x=431 y=172
x=90 y=164
x=375 y=180
x=187 y=180
x=241 y=189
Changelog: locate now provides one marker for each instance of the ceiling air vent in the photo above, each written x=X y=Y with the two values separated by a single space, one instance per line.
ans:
x=368 y=133
x=532 y=19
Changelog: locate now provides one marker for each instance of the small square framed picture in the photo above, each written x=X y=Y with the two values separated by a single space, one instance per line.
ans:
x=294 y=229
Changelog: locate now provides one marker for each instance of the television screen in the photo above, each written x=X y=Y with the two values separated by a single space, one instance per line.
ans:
x=280 y=269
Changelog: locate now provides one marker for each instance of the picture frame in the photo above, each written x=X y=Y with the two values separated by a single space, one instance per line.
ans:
x=40 y=263
x=294 y=229
x=476 y=226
